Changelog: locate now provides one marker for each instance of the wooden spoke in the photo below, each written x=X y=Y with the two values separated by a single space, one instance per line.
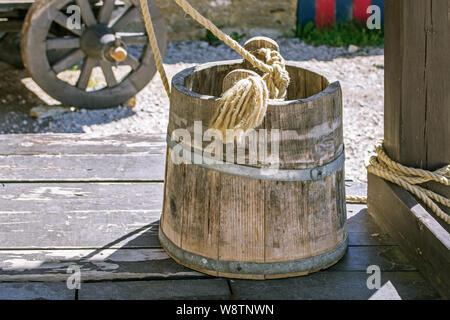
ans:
x=126 y=18
x=132 y=61
x=86 y=12
x=106 y=11
x=133 y=38
x=63 y=43
x=58 y=43
x=61 y=19
x=85 y=76
x=69 y=60
x=108 y=73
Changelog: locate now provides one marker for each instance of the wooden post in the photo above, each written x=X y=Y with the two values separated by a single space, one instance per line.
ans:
x=417 y=103
x=417 y=128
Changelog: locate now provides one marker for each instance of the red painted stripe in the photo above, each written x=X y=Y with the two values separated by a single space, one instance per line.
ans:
x=360 y=10
x=325 y=12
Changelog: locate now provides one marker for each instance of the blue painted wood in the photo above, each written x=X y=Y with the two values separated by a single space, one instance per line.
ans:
x=380 y=3
x=306 y=11
x=344 y=10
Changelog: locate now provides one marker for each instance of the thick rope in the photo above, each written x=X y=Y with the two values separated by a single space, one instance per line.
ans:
x=208 y=25
x=243 y=106
x=409 y=178
x=277 y=82
x=154 y=45
x=224 y=37
x=274 y=65
x=357 y=199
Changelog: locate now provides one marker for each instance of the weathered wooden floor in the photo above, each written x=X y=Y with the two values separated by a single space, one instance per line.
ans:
x=95 y=203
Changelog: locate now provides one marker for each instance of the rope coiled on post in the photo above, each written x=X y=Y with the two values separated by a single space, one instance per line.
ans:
x=409 y=179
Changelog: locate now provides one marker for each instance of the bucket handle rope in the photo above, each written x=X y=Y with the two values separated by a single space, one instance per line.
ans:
x=257 y=63
x=208 y=25
x=244 y=105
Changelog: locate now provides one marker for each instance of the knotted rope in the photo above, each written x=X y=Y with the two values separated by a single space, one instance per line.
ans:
x=244 y=105
x=278 y=80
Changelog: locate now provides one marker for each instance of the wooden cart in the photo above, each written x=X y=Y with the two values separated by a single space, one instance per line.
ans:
x=84 y=53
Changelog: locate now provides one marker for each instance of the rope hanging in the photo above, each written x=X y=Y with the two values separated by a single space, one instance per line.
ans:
x=154 y=45
x=244 y=105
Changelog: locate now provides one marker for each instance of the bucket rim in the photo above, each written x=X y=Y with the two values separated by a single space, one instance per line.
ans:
x=178 y=83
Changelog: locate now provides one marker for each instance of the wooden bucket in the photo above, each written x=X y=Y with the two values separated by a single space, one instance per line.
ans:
x=239 y=221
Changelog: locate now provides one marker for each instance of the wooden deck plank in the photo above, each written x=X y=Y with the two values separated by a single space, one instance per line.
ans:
x=108 y=264
x=86 y=168
x=36 y=291
x=388 y=258
x=95 y=265
x=78 y=215
x=362 y=229
x=333 y=286
x=41 y=198
x=74 y=157
x=196 y=289
x=114 y=229
x=81 y=144
x=94 y=215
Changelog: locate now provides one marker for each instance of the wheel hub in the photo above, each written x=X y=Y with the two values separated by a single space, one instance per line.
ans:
x=99 y=42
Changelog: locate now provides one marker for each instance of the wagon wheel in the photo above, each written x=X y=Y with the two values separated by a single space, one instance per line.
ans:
x=98 y=63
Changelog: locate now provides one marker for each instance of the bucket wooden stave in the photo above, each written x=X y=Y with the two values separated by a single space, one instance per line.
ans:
x=258 y=227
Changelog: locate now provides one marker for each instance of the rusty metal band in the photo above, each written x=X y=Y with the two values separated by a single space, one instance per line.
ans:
x=253 y=268
x=267 y=173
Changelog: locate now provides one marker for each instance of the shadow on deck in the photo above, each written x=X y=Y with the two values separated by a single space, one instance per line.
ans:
x=95 y=203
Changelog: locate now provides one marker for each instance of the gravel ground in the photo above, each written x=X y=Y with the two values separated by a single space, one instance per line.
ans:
x=361 y=75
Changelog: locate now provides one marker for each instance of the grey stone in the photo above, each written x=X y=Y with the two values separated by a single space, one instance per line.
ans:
x=43 y=111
